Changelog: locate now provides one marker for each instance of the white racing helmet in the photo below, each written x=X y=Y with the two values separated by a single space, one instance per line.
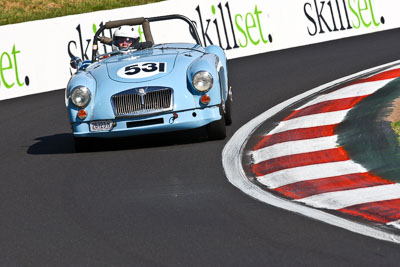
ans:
x=124 y=37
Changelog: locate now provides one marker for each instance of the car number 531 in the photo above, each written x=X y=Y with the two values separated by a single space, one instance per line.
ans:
x=142 y=70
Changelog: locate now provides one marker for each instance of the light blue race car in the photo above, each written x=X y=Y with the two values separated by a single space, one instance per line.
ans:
x=148 y=88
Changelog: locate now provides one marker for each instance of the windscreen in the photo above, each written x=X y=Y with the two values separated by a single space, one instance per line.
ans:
x=163 y=32
x=171 y=31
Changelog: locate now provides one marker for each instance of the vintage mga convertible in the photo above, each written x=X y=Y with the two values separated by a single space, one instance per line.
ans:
x=148 y=88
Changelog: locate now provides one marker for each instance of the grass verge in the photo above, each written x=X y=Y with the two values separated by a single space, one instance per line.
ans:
x=396 y=129
x=15 y=11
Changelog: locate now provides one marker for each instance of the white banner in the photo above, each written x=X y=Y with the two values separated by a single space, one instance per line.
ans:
x=34 y=56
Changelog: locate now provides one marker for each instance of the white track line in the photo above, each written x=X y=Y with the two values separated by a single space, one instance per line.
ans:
x=395 y=224
x=310 y=172
x=232 y=163
x=342 y=199
x=321 y=119
x=293 y=147
x=354 y=90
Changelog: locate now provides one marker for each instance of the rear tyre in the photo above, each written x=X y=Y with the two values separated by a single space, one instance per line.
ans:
x=82 y=144
x=216 y=130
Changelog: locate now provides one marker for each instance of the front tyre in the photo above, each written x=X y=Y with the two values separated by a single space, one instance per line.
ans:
x=228 y=108
x=216 y=130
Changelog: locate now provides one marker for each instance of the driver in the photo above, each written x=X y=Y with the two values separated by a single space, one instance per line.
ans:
x=124 y=37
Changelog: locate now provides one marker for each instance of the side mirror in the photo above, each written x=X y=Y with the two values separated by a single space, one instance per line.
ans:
x=76 y=63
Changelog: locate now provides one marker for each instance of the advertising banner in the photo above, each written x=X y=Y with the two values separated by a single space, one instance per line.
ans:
x=34 y=56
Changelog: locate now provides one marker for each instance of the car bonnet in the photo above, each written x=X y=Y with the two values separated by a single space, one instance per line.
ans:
x=141 y=66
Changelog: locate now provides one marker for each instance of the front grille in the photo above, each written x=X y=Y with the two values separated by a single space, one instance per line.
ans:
x=142 y=101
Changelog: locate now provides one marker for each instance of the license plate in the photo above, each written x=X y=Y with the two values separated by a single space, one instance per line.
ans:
x=98 y=126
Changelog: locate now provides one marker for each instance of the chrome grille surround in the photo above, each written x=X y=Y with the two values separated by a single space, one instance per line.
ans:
x=142 y=101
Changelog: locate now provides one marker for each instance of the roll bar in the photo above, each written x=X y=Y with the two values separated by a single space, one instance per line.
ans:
x=145 y=23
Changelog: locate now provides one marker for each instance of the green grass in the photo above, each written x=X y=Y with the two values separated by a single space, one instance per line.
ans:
x=15 y=11
x=396 y=129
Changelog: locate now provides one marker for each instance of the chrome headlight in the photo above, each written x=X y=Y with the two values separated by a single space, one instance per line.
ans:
x=80 y=96
x=202 y=81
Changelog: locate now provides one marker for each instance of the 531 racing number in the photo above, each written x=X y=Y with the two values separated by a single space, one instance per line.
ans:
x=142 y=70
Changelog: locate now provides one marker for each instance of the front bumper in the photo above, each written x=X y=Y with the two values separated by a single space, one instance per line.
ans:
x=161 y=123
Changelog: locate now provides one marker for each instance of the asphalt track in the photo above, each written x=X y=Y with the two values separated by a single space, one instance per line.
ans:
x=164 y=200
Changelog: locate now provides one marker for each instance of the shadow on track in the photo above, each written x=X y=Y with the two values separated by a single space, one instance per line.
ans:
x=64 y=143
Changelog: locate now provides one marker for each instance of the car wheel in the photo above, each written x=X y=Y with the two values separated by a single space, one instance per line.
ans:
x=216 y=130
x=82 y=144
x=228 y=108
